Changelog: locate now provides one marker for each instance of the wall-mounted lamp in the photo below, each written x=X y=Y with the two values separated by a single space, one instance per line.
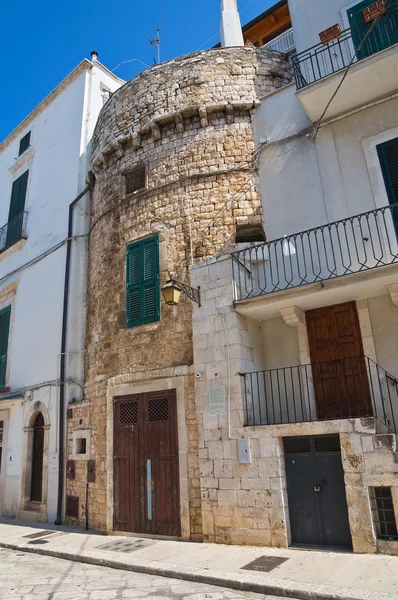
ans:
x=172 y=291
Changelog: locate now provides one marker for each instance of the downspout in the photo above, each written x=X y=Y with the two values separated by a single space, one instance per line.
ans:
x=61 y=458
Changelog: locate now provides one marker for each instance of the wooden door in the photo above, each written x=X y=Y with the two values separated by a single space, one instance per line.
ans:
x=146 y=473
x=338 y=362
x=36 y=488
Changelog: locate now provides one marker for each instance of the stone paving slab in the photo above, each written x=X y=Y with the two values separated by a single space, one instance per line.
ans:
x=306 y=575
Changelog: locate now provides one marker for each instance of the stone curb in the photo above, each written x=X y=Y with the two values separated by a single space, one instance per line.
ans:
x=302 y=591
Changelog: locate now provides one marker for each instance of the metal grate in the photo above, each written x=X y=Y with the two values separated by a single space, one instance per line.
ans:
x=128 y=413
x=265 y=563
x=383 y=513
x=72 y=507
x=127 y=545
x=357 y=387
x=38 y=534
x=158 y=410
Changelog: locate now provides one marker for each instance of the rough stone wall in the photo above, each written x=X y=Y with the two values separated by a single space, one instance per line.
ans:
x=248 y=503
x=189 y=122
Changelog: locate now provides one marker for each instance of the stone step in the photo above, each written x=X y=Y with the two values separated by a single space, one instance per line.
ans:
x=31 y=515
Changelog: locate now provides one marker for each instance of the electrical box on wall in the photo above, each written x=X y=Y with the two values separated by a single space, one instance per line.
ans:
x=244 y=455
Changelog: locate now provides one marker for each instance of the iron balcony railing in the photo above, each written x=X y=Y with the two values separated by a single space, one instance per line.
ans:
x=13 y=231
x=339 y=389
x=353 y=245
x=322 y=60
x=283 y=43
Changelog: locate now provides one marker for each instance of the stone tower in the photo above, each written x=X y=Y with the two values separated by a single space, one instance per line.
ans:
x=174 y=160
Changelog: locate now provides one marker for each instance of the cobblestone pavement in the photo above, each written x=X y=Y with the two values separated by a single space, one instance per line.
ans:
x=26 y=576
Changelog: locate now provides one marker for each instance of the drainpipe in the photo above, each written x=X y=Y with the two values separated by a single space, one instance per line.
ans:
x=61 y=458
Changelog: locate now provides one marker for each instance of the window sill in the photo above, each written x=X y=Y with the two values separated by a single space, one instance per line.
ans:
x=22 y=160
x=11 y=249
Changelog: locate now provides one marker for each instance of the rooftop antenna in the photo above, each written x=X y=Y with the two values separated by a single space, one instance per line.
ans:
x=155 y=42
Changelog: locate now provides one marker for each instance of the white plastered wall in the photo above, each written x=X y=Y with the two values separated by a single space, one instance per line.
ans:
x=306 y=183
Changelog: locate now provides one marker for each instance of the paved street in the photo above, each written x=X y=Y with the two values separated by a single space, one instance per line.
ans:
x=26 y=576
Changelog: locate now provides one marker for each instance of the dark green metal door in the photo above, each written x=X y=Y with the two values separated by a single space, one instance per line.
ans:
x=383 y=34
x=316 y=492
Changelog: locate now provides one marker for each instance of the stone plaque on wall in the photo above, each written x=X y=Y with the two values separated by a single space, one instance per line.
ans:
x=217 y=403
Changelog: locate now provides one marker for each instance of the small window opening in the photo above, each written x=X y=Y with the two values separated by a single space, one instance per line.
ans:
x=383 y=513
x=249 y=233
x=24 y=143
x=135 y=180
x=81 y=445
x=106 y=94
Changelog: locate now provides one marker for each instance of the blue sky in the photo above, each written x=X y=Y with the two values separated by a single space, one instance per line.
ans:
x=42 y=41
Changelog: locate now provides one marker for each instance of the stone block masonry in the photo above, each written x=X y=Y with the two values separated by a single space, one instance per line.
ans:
x=188 y=122
x=248 y=503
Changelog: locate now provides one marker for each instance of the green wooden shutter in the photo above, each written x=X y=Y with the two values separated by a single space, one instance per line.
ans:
x=18 y=196
x=17 y=206
x=383 y=35
x=388 y=156
x=4 y=333
x=24 y=143
x=143 y=289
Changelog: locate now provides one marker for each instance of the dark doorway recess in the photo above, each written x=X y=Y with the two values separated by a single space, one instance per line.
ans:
x=37 y=459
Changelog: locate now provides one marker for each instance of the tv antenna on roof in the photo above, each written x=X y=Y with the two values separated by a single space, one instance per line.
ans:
x=155 y=42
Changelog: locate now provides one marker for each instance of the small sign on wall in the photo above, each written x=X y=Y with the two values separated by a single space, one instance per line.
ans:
x=217 y=403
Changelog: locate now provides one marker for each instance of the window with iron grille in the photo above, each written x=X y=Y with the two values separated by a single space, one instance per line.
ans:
x=142 y=282
x=135 y=180
x=24 y=143
x=383 y=513
x=128 y=413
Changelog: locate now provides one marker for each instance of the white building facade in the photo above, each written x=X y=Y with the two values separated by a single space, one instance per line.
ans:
x=298 y=335
x=43 y=169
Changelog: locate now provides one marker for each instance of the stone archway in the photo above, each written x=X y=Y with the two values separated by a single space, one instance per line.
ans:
x=35 y=463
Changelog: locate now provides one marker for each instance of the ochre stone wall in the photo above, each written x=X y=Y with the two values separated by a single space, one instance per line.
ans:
x=189 y=122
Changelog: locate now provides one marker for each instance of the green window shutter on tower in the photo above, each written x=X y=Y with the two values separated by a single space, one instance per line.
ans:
x=4 y=333
x=143 y=284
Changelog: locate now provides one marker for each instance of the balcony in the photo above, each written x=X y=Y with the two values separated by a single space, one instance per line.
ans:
x=341 y=389
x=13 y=231
x=315 y=259
x=318 y=70
x=282 y=43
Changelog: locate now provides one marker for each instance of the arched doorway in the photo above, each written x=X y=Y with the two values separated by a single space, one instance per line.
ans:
x=36 y=488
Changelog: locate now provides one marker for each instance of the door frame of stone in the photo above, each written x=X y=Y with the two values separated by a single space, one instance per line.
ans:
x=124 y=385
x=25 y=501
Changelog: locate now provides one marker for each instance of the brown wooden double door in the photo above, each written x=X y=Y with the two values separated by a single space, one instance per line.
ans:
x=146 y=474
x=338 y=363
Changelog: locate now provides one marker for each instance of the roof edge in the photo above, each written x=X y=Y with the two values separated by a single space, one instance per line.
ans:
x=263 y=15
x=84 y=65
